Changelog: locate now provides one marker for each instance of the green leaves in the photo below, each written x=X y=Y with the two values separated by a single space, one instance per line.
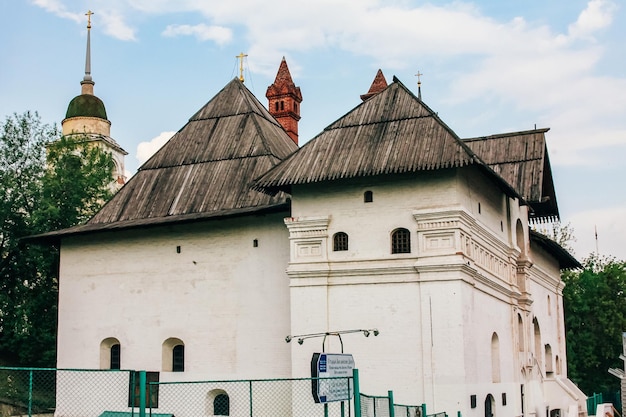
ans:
x=595 y=317
x=47 y=182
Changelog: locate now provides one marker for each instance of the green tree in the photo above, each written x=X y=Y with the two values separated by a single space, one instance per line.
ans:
x=47 y=183
x=594 y=301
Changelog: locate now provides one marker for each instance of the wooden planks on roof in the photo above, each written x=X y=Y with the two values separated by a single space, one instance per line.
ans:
x=207 y=167
x=392 y=132
x=521 y=158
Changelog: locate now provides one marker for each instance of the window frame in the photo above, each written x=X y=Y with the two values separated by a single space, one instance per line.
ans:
x=400 y=241
x=340 y=242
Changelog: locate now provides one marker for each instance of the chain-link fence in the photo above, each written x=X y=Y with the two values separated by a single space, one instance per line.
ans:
x=258 y=398
x=64 y=393
x=123 y=393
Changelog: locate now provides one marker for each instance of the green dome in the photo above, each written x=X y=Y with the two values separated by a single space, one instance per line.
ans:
x=86 y=105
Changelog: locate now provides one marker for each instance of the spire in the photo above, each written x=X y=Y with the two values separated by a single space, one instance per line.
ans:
x=87 y=83
x=377 y=86
x=284 y=101
x=419 y=85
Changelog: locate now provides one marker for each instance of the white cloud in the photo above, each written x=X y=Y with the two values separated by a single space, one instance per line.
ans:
x=112 y=19
x=59 y=9
x=597 y=15
x=219 y=34
x=115 y=26
x=146 y=149
x=528 y=67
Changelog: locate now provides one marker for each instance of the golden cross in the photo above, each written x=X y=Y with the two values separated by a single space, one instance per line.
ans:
x=88 y=14
x=418 y=75
x=241 y=56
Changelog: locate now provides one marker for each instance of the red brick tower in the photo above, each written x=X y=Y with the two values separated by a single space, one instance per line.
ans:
x=284 y=101
x=377 y=86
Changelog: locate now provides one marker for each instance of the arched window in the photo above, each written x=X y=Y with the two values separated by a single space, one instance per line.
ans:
x=549 y=306
x=368 y=197
x=519 y=237
x=282 y=105
x=538 y=346
x=520 y=333
x=221 y=405
x=548 y=353
x=115 y=356
x=340 y=241
x=173 y=355
x=490 y=406
x=110 y=353
x=217 y=403
x=276 y=105
x=495 y=358
x=178 y=358
x=401 y=241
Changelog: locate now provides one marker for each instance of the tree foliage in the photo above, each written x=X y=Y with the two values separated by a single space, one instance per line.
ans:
x=47 y=183
x=595 y=317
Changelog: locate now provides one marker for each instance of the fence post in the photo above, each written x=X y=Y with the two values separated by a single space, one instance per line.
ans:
x=424 y=410
x=250 y=395
x=391 y=408
x=30 y=393
x=357 y=393
x=142 y=393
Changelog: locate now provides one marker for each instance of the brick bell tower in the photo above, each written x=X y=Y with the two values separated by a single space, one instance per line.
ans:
x=284 y=101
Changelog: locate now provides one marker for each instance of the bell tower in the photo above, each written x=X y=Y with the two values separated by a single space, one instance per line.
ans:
x=86 y=117
x=284 y=101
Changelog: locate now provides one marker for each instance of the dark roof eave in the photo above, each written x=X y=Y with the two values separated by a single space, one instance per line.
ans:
x=504 y=186
x=566 y=260
x=55 y=236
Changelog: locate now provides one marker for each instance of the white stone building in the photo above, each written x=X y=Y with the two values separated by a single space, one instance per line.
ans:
x=231 y=237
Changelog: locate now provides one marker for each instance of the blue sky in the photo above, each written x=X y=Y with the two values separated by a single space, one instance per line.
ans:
x=489 y=67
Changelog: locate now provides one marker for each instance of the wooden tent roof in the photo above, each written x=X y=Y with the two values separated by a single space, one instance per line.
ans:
x=391 y=133
x=204 y=170
x=521 y=158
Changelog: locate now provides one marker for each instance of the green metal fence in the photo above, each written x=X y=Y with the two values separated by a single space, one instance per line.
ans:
x=124 y=393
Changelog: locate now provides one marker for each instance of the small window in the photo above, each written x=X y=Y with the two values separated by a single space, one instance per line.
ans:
x=221 y=405
x=368 y=197
x=178 y=358
x=295 y=107
x=110 y=353
x=173 y=355
x=276 y=106
x=401 y=241
x=115 y=356
x=282 y=105
x=340 y=241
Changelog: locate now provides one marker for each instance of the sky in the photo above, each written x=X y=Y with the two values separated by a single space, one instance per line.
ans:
x=489 y=66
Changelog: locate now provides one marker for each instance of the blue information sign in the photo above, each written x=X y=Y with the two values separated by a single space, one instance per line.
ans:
x=332 y=377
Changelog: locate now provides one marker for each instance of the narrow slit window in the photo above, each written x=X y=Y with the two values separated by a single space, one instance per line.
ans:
x=178 y=358
x=368 y=197
x=115 y=356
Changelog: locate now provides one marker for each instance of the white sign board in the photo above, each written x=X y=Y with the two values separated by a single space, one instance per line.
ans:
x=337 y=367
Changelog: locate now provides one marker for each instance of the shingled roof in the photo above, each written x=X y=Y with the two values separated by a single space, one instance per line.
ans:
x=204 y=170
x=521 y=158
x=391 y=133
